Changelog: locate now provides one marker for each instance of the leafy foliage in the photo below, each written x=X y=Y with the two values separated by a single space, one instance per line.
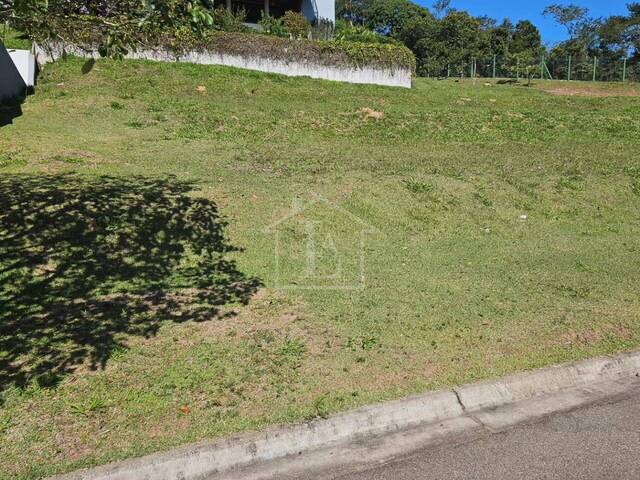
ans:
x=524 y=64
x=526 y=38
x=611 y=40
x=356 y=33
x=391 y=16
x=119 y=25
x=273 y=26
x=335 y=52
x=227 y=21
x=450 y=41
x=572 y=17
x=296 y=24
x=441 y=7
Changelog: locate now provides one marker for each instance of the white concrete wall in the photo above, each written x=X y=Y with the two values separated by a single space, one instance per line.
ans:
x=25 y=62
x=400 y=77
x=12 y=86
x=368 y=75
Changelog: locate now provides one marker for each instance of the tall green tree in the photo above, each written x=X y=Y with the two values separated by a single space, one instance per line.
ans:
x=526 y=38
x=525 y=50
x=391 y=16
x=614 y=35
x=632 y=33
x=569 y=16
x=351 y=10
x=458 y=40
x=501 y=37
x=441 y=8
x=418 y=35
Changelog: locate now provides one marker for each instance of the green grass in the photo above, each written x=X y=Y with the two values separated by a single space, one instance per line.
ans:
x=500 y=234
x=12 y=39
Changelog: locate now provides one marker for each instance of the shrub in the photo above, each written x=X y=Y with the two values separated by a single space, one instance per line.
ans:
x=118 y=24
x=376 y=54
x=227 y=21
x=296 y=24
x=524 y=64
x=345 y=30
x=326 y=52
x=273 y=26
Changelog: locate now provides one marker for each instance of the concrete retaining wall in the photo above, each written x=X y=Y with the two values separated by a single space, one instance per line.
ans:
x=12 y=85
x=394 y=78
x=25 y=62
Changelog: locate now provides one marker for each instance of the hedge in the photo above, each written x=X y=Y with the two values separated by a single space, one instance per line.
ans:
x=323 y=52
x=257 y=45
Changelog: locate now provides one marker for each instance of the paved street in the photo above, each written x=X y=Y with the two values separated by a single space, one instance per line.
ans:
x=596 y=442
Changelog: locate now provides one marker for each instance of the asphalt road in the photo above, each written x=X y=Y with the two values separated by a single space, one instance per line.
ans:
x=596 y=442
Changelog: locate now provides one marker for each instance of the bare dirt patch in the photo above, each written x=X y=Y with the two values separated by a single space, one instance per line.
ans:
x=581 y=338
x=371 y=113
x=591 y=91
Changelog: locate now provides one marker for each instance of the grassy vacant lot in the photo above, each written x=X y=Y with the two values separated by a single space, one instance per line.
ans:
x=145 y=304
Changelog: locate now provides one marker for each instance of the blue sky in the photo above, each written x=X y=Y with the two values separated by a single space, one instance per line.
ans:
x=532 y=10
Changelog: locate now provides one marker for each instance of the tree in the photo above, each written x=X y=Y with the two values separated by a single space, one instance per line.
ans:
x=525 y=50
x=389 y=17
x=351 y=10
x=526 y=38
x=524 y=64
x=458 y=39
x=569 y=16
x=416 y=29
x=441 y=8
x=616 y=39
x=613 y=35
x=115 y=25
x=501 y=37
x=632 y=33
x=418 y=34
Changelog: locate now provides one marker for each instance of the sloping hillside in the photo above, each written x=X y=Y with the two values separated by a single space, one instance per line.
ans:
x=384 y=241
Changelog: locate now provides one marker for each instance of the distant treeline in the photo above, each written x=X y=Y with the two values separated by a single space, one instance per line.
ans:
x=447 y=41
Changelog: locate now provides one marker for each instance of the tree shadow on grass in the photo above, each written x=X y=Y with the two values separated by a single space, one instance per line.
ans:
x=87 y=261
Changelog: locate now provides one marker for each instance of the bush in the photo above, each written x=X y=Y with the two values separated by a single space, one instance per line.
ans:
x=12 y=39
x=345 y=30
x=296 y=24
x=227 y=21
x=292 y=24
x=85 y=33
x=337 y=53
x=273 y=26
x=372 y=54
x=524 y=64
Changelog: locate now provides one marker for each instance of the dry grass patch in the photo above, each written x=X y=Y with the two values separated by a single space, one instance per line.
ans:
x=587 y=90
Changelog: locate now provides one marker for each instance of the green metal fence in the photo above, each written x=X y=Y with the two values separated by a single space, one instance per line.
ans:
x=569 y=67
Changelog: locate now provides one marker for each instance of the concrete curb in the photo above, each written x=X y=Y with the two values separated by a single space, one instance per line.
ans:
x=202 y=460
x=515 y=388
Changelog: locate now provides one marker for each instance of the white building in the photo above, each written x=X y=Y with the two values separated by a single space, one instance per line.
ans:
x=314 y=10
